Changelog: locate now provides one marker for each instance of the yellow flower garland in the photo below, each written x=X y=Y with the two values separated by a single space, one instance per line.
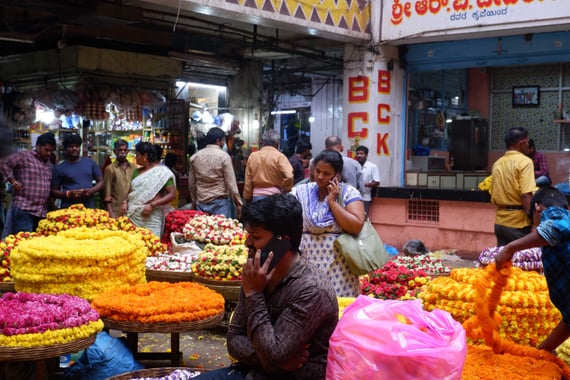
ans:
x=81 y=261
x=80 y=216
x=52 y=337
x=523 y=299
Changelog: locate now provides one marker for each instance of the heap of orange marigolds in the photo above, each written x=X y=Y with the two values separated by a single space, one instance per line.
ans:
x=160 y=302
x=502 y=357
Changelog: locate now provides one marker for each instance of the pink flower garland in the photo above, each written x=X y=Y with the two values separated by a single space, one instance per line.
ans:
x=26 y=313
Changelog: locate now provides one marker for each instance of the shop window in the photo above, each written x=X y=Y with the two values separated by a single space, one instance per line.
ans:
x=423 y=212
x=434 y=99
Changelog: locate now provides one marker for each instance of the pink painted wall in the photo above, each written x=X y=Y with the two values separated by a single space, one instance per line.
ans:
x=465 y=226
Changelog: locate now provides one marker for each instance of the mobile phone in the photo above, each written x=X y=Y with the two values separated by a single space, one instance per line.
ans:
x=279 y=246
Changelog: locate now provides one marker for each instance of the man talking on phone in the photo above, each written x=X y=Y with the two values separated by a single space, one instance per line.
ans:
x=285 y=316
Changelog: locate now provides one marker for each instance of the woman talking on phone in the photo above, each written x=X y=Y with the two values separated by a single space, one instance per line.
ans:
x=325 y=218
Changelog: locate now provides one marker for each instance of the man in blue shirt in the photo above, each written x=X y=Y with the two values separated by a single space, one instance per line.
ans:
x=76 y=179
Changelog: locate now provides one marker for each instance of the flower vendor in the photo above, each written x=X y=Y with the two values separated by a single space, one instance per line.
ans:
x=284 y=317
x=549 y=209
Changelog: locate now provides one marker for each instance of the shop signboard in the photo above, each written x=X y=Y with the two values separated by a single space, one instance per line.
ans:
x=372 y=111
x=403 y=20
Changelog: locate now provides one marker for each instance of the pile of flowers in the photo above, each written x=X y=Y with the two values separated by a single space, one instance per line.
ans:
x=526 y=259
x=485 y=185
x=79 y=216
x=29 y=320
x=563 y=351
x=168 y=262
x=6 y=246
x=393 y=281
x=175 y=221
x=343 y=303
x=160 y=302
x=485 y=324
x=81 y=261
x=483 y=363
x=215 y=229
x=220 y=262
x=403 y=277
x=528 y=314
x=432 y=266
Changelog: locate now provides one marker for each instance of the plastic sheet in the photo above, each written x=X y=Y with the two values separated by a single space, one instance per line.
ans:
x=378 y=339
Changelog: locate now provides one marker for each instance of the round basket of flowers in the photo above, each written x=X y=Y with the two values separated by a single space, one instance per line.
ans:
x=219 y=267
x=160 y=307
x=40 y=326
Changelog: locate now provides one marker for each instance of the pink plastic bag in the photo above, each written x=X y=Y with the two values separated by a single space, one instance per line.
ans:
x=395 y=340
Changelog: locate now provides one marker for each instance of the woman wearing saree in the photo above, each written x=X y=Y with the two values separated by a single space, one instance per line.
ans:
x=153 y=187
x=324 y=219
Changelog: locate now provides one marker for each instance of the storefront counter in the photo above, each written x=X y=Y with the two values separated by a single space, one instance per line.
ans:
x=441 y=218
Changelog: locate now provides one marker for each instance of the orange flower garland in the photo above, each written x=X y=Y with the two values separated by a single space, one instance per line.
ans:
x=528 y=313
x=486 y=324
x=160 y=302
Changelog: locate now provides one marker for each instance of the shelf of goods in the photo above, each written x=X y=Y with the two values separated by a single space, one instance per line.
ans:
x=169 y=129
x=22 y=139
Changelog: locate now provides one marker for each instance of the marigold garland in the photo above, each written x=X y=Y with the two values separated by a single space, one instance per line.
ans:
x=80 y=261
x=79 y=216
x=160 y=302
x=482 y=363
x=343 y=303
x=486 y=324
x=6 y=246
x=523 y=299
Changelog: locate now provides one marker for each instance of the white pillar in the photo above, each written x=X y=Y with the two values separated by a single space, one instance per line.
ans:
x=373 y=109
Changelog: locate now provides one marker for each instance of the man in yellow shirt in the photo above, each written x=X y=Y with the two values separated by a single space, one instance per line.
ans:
x=512 y=187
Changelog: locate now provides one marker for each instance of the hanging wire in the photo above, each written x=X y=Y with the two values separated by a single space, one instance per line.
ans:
x=177 y=16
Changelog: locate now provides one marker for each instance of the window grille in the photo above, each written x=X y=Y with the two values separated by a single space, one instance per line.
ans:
x=423 y=212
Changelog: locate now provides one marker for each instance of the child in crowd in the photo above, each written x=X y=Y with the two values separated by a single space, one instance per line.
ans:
x=549 y=211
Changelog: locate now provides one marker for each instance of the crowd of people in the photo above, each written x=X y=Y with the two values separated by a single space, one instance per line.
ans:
x=285 y=315
x=287 y=307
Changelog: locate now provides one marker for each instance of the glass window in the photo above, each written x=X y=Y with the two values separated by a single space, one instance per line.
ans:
x=433 y=99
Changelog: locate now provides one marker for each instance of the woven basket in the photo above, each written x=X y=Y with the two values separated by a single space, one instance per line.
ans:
x=229 y=289
x=7 y=287
x=152 y=372
x=174 y=327
x=168 y=276
x=44 y=352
